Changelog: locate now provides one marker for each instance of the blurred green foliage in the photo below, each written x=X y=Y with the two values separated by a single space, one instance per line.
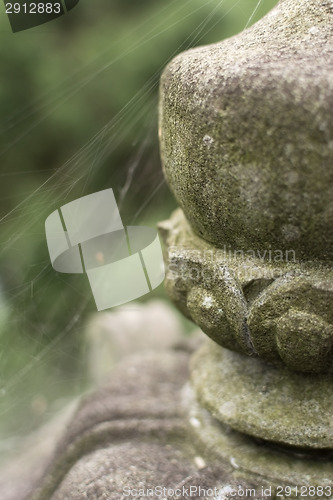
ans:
x=78 y=113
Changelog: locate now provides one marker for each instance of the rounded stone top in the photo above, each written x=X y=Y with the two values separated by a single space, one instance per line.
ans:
x=247 y=133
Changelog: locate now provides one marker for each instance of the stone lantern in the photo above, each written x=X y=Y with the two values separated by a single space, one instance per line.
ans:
x=246 y=130
x=246 y=134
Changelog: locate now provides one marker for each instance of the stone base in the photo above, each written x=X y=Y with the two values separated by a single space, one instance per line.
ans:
x=265 y=401
x=261 y=462
x=144 y=429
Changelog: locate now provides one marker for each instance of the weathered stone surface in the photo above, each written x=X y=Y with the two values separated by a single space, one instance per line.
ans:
x=247 y=133
x=277 y=464
x=132 y=433
x=143 y=429
x=280 y=311
x=264 y=401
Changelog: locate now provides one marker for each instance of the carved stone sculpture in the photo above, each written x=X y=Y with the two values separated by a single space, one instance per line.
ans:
x=246 y=135
x=247 y=147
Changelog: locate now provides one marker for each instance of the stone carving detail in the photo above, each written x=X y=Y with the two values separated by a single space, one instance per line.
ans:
x=280 y=312
x=246 y=136
x=293 y=319
x=247 y=148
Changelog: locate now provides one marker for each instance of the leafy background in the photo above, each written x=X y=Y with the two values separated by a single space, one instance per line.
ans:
x=78 y=113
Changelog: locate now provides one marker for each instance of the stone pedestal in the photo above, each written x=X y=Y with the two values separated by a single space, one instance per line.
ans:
x=246 y=134
x=247 y=148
